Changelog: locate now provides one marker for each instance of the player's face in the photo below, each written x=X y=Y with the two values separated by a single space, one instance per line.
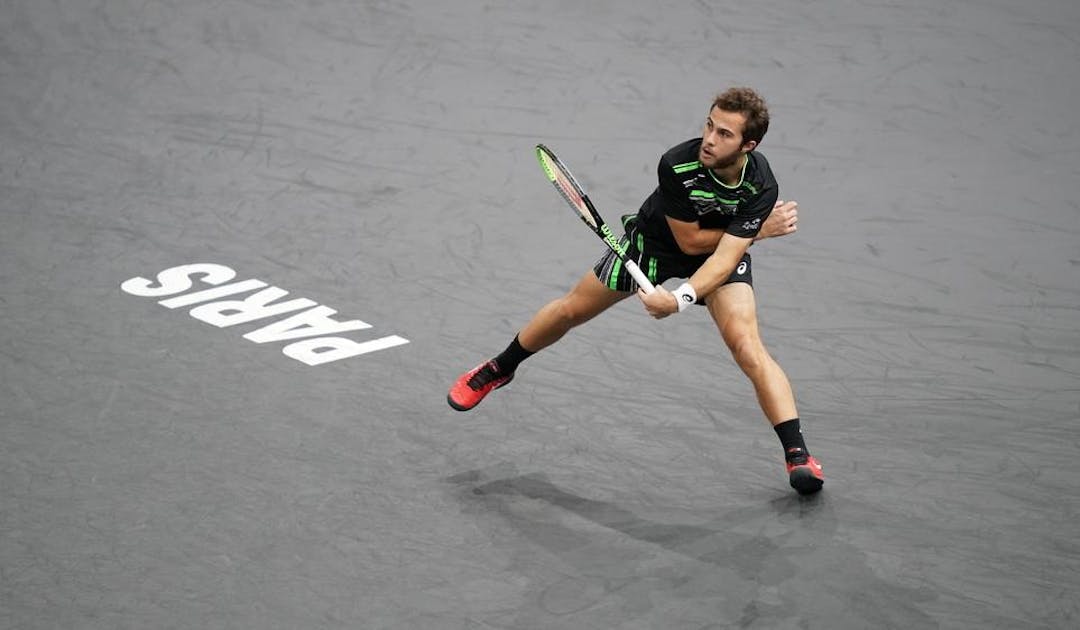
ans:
x=721 y=139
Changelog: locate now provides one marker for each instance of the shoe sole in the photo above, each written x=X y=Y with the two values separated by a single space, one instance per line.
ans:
x=464 y=408
x=804 y=481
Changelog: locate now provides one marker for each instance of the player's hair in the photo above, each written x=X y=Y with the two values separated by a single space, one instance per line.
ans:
x=748 y=102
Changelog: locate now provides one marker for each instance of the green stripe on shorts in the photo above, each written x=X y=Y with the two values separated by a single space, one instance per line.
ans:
x=613 y=281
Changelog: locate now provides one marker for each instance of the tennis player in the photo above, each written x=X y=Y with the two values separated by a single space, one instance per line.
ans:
x=716 y=196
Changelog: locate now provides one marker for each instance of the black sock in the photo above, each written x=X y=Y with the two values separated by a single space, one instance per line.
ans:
x=512 y=356
x=791 y=438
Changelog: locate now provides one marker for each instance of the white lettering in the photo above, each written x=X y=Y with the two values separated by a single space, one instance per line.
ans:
x=326 y=349
x=177 y=280
x=258 y=306
x=315 y=327
x=210 y=294
x=310 y=323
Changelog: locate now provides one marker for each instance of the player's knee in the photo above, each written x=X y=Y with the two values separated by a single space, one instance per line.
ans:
x=747 y=350
x=570 y=310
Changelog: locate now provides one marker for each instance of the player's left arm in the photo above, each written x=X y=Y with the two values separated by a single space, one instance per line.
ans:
x=719 y=266
x=710 y=276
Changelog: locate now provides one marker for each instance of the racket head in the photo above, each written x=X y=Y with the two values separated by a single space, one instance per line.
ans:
x=575 y=196
x=568 y=187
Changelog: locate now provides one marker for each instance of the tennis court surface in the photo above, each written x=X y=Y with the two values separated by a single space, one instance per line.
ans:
x=171 y=460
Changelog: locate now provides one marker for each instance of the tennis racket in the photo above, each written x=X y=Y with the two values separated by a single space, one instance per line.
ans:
x=574 y=195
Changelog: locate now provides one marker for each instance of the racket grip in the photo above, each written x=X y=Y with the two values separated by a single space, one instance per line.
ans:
x=639 y=276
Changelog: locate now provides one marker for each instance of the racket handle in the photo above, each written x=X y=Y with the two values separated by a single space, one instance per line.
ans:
x=639 y=276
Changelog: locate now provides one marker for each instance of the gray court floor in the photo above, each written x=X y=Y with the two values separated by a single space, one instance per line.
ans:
x=180 y=464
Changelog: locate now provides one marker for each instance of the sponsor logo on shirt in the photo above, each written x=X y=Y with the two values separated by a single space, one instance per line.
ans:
x=705 y=206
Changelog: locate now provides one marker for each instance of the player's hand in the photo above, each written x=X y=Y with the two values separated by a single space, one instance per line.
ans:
x=783 y=221
x=660 y=303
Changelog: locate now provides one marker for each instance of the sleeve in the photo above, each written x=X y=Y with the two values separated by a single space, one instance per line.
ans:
x=673 y=195
x=747 y=223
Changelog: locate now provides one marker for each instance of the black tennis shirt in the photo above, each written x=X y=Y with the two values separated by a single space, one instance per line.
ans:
x=688 y=191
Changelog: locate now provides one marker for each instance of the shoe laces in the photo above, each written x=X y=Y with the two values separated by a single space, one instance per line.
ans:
x=796 y=456
x=483 y=376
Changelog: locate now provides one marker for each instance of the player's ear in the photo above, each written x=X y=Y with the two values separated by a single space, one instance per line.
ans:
x=749 y=145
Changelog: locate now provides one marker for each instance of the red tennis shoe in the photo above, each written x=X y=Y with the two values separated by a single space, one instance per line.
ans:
x=804 y=472
x=472 y=386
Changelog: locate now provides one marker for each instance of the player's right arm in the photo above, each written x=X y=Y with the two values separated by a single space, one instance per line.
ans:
x=783 y=220
x=693 y=239
x=696 y=240
x=682 y=219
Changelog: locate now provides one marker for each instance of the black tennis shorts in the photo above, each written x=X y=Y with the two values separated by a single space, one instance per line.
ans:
x=657 y=264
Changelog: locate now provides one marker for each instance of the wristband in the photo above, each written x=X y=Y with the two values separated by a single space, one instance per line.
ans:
x=685 y=295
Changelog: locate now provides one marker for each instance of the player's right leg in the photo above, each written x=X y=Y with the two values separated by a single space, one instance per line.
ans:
x=586 y=300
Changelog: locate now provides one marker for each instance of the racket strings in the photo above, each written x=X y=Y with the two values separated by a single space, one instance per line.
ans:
x=567 y=190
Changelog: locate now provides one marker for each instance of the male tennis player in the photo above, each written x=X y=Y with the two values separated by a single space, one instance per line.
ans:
x=716 y=195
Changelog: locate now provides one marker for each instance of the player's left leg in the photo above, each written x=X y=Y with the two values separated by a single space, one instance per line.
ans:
x=734 y=310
